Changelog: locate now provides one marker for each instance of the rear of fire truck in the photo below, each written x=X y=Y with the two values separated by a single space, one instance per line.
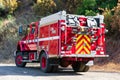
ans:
x=82 y=39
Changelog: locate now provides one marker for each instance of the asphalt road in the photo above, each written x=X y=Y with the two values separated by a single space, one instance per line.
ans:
x=11 y=72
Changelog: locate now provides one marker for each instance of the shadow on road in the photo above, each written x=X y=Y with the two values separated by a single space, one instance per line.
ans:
x=34 y=71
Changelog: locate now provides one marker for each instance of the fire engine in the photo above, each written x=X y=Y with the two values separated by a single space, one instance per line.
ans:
x=62 y=39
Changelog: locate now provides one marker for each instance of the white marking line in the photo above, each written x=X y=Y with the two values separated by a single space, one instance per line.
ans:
x=42 y=39
x=48 y=38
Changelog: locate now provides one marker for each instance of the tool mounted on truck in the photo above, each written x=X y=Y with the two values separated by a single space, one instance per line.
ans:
x=62 y=39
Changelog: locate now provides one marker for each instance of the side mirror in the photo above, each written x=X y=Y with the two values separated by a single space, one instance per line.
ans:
x=20 y=30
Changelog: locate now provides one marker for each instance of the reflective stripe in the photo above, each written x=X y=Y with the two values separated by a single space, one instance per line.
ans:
x=88 y=39
x=48 y=38
x=79 y=37
x=83 y=44
x=42 y=39
x=80 y=49
x=24 y=41
x=87 y=50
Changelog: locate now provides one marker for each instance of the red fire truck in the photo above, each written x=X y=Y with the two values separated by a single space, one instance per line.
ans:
x=62 y=39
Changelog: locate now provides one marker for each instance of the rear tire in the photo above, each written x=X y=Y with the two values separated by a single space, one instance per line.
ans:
x=45 y=63
x=86 y=69
x=18 y=60
x=80 y=67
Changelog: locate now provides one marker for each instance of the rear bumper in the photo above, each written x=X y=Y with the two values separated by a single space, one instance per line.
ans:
x=84 y=56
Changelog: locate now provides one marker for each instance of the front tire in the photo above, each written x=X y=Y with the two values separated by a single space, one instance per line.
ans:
x=18 y=60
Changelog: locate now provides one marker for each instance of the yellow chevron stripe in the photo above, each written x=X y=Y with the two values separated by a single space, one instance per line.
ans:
x=85 y=48
x=78 y=44
x=88 y=52
x=87 y=37
x=81 y=47
x=86 y=43
x=79 y=37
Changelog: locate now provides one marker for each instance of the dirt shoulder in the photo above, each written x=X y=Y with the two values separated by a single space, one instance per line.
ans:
x=110 y=67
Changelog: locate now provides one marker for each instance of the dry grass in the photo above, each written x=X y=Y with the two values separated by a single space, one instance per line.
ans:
x=112 y=67
x=112 y=63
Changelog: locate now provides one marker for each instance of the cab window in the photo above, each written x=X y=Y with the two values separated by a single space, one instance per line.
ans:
x=33 y=30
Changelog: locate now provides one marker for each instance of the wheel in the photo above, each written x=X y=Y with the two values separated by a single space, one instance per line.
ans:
x=18 y=60
x=54 y=68
x=45 y=63
x=86 y=68
x=78 y=67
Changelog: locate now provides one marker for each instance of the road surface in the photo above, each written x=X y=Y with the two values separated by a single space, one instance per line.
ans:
x=11 y=72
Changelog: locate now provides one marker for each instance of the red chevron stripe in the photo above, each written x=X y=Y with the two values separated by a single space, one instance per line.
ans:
x=80 y=45
x=86 y=40
x=80 y=38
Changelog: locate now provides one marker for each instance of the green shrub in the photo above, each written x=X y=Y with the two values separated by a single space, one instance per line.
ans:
x=87 y=7
x=7 y=6
x=90 y=13
x=44 y=7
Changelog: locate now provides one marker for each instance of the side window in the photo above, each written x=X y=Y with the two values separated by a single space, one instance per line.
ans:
x=33 y=30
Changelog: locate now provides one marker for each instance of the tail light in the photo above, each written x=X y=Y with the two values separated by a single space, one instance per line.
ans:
x=63 y=26
x=83 y=21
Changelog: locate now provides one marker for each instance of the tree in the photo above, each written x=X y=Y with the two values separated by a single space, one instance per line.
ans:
x=106 y=3
x=87 y=7
x=69 y=5
x=44 y=7
x=7 y=6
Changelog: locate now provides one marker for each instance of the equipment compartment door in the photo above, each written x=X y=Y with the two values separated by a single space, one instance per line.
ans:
x=54 y=40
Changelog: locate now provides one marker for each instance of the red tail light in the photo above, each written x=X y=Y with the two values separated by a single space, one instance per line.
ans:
x=83 y=21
